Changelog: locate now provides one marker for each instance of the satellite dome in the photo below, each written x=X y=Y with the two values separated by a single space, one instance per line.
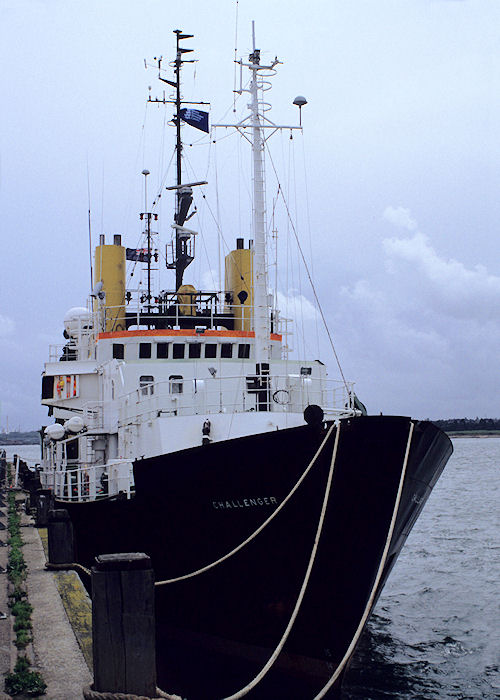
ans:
x=76 y=318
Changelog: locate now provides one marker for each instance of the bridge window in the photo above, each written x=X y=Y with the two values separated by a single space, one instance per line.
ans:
x=178 y=351
x=210 y=350
x=244 y=351
x=226 y=350
x=194 y=350
x=144 y=351
x=47 y=387
x=118 y=351
x=162 y=351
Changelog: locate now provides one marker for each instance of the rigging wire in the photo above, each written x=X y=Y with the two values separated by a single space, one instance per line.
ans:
x=102 y=198
x=90 y=230
x=161 y=154
x=156 y=200
x=201 y=234
x=140 y=155
x=224 y=242
x=299 y=266
x=291 y=271
x=218 y=216
x=308 y=215
x=235 y=53
x=309 y=275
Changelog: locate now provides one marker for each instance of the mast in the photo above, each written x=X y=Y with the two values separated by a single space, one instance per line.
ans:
x=256 y=124
x=261 y=311
x=182 y=259
x=183 y=245
x=147 y=214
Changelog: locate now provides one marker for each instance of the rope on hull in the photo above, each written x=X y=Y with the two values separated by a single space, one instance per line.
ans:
x=260 y=528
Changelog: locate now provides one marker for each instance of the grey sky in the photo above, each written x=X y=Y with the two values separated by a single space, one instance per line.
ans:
x=402 y=142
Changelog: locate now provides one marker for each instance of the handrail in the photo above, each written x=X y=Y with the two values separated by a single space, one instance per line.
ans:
x=290 y=393
x=80 y=481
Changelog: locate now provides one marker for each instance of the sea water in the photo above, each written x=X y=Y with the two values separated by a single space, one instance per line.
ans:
x=29 y=453
x=435 y=632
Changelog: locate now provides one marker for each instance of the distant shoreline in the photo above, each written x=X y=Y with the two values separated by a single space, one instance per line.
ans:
x=9 y=443
x=27 y=437
x=473 y=433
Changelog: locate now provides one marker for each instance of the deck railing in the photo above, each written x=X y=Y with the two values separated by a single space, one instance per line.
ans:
x=277 y=393
x=179 y=314
x=77 y=481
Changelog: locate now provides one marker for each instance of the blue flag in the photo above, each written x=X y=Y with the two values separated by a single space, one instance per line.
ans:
x=138 y=255
x=195 y=117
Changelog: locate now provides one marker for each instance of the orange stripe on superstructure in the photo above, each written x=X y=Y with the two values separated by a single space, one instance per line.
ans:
x=189 y=332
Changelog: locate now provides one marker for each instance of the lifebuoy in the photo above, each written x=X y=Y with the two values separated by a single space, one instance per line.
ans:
x=281 y=397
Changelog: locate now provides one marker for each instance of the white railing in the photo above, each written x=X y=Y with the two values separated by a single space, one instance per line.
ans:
x=84 y=482
x=207 y=308
x=284 y=394
x=72 y=351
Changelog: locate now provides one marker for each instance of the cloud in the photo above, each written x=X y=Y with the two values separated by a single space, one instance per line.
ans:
x=209 y=280
x=296 y=306
x=400 y=217
x=451 y=286
x=390 y=334
x=426 y=334
x=6 y=326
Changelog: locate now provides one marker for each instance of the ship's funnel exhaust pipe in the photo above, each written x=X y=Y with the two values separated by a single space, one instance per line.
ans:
x=109 y=266
x=239 y=285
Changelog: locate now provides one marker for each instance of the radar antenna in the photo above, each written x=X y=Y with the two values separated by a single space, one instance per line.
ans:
x=253 y=127
x=183 y=244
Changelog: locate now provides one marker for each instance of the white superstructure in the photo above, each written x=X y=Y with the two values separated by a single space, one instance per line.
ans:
x=141 y=393
x=145 y=376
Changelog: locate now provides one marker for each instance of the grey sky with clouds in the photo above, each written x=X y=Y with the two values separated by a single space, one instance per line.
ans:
x=402 y=142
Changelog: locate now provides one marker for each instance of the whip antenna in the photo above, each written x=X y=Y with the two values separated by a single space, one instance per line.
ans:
x=90 y=231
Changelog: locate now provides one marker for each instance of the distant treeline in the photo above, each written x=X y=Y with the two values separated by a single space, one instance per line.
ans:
x=476 y=425
x=31 y=437
x=449 y=425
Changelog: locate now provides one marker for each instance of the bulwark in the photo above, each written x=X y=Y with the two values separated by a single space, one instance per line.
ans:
x=245 y=503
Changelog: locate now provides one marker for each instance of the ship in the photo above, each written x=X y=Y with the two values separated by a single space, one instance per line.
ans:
x=272 y=505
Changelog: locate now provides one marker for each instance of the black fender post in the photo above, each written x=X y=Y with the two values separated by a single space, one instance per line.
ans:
x=43 y=505
x=60 y=537
x=123 y=624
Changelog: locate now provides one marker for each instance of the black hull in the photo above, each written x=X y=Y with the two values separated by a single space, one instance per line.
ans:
x=216 y=630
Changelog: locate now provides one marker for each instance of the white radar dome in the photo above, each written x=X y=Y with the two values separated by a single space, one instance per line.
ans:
x=77 y=318
x=74 y=424
x=55 y=431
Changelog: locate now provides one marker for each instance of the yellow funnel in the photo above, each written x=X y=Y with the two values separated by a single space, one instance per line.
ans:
x=239 y=280
x=109 y=266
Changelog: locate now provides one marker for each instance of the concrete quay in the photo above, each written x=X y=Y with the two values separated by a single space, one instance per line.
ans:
x=62 y=643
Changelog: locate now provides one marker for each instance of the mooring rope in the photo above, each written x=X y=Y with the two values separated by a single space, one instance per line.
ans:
x=244 y=691
x=71 y=566
x=90 y=694
x=260 y=528
x=366 y=612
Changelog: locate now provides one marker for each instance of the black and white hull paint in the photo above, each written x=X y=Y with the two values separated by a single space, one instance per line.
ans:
x=217 y=629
